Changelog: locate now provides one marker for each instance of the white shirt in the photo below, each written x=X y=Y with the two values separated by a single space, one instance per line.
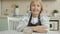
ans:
x=34 y=20
x=25 y=19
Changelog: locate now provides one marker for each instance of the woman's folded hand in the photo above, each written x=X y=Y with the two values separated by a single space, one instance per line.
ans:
x=41 y=29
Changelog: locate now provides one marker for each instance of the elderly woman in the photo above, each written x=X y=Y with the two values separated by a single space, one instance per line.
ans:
x=35 y=19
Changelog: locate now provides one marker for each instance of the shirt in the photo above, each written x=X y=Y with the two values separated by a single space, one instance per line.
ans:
x=34 y=20
x=25 y=19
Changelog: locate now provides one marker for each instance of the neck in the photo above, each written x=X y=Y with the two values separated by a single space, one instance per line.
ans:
x=35 y=16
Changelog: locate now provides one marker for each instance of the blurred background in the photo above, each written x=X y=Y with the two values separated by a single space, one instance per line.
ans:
x=15 y=9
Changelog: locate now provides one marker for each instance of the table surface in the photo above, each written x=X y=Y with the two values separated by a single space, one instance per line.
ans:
x=15 y=32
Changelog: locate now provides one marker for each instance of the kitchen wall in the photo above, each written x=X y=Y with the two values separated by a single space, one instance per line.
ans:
x=51 y=5
x=24 y=6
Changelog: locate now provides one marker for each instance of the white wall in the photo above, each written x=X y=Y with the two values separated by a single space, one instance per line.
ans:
x=51 y=5
x=24 y=6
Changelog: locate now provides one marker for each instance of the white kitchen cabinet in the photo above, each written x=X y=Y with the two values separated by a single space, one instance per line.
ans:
x=3 y=23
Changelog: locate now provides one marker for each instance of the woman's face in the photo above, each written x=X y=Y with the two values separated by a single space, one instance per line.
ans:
x=35 y=8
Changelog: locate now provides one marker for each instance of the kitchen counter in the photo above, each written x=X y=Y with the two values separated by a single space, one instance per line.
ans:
x=15 y=32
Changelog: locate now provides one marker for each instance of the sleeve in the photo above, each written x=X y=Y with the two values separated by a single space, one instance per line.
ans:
x=45 y=21
x=21 y=24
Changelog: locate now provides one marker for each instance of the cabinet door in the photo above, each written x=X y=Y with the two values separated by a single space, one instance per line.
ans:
x=3 y=24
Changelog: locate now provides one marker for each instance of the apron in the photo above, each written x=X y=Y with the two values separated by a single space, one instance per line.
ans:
x=38 y=23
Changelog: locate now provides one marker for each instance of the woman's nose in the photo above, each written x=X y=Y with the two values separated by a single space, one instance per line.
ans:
x=35 y=7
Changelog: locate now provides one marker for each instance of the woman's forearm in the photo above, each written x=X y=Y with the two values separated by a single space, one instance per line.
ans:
x=32 y=27
x=42 y=30
x=38 y=29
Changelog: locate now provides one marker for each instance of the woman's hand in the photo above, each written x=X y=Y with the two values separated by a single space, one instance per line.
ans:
x=41 y=29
